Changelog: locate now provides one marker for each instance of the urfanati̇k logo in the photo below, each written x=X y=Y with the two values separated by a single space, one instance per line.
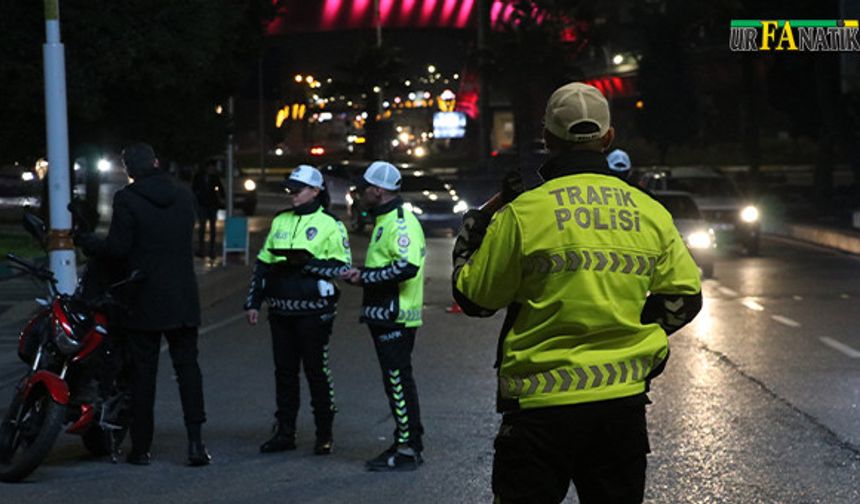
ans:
x=815 y=35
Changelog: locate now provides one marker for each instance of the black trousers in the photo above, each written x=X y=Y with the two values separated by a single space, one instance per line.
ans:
x=144 y=348
x=302 y=341
x=206 y=215
x=394 y=351
x=601 y=447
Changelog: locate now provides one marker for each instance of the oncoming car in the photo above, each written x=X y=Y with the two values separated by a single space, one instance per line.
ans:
x=435 y=203
x=733 y=218
x=695 y=232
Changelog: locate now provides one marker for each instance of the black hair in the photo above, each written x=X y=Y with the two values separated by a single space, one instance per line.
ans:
x=139 y=160
x=324 y=197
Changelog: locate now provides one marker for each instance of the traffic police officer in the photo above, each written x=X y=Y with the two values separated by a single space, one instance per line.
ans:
x=305 y=250
x=594 y=277
x=393 y=281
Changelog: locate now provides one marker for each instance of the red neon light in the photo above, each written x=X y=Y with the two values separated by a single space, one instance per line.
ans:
x=495 y=10
x=407 y=7
x=509 y=10
x=359 y=12
x=465 y=13
x=295 y=16
x=330 y=12
x=447 y=12
x=427 y=9
x=385 y=8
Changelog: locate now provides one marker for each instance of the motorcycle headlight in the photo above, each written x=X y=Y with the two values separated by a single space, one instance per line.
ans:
x=749 y=214
x=65 y=343
x=700 y=240
x=250 y=185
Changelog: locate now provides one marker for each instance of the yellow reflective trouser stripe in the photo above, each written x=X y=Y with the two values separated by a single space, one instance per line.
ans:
x=591 y=260
x=409 y=315
x=577 y=378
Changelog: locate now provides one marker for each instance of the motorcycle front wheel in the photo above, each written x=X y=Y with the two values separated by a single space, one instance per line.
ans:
x=28 y=432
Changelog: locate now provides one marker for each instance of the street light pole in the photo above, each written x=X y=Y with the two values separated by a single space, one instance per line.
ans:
x=484 y=125
x=60 y=247
x=229 y=168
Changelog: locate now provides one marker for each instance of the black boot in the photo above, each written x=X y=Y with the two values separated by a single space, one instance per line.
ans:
x=324 y=440
x=323 y=445
x=284 y=439
x=197 y=454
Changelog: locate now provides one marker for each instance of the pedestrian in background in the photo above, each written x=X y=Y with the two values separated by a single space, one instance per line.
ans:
x=594 y=277
x=152 y=230
x=306 y=249
x=209 y=192
x=619 y=163
x=393 y=282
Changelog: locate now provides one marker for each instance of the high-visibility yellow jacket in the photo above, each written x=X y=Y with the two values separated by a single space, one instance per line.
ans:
x=574 y=260
x=393 y=276
x=299 y=285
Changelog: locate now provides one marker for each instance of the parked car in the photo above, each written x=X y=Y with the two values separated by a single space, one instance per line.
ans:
x=20 y=186
x=733 y=218
x=695 y=232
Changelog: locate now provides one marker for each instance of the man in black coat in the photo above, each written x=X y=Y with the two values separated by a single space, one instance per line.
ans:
x=151 y=229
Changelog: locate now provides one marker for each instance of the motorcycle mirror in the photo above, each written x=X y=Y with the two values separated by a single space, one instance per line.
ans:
x=36 y=227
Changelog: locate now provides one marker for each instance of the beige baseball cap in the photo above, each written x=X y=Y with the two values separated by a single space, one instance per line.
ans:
x=573 y=104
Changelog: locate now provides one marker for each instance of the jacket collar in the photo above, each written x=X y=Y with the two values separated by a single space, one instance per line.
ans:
x=573 y=162
x=307 y=208
x=387 y=207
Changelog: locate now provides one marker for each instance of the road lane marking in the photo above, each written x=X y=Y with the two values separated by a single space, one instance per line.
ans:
x=785 y=320
x=752 y=305
x=727 y=291
x=842 y=347
x=844 y=296
x=797 y=298
x=212 y=327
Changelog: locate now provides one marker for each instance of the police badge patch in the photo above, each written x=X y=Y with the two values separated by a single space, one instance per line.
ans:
x=311 y=233
x=403 y=241
x=378 y=234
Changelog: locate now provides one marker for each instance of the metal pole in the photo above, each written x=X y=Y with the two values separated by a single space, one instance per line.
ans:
x=60 y=247
x=229 y=168
x=377 y=18
x=260 y=91
x=484 y=125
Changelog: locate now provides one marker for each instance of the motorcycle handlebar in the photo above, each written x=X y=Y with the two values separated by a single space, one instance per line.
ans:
x=31 y=268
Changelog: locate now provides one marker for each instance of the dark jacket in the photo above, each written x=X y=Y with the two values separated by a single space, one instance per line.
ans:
x=152 y=225
x=208 y=190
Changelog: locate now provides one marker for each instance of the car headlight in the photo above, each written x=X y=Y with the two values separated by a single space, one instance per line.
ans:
x=700 y=240
x=413 y=208
x=749 y=214
x=461 y=207
x=27 y=176
x=250 y=185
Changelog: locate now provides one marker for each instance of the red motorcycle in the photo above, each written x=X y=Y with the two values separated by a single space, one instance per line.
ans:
x=74 y=378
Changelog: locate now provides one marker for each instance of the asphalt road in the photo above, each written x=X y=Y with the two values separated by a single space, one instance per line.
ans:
x=758 y=403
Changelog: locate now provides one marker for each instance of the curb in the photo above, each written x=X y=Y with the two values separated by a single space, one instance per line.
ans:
x=841 y=240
